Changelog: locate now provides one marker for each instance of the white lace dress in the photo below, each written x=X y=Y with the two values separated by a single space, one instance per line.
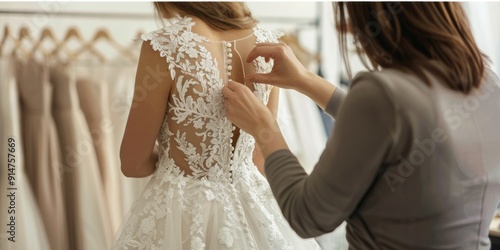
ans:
x=223 y=202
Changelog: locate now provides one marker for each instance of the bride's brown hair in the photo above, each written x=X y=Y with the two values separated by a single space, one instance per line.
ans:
x=219 y=15
x=414 y=37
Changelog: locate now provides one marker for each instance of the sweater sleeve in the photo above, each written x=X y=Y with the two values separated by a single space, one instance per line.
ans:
x=333 y=105
x=362 y=139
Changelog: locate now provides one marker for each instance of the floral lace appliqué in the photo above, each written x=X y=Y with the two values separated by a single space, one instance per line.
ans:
x=222 y=202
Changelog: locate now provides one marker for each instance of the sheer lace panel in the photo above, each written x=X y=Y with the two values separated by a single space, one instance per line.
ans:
x=196 y=133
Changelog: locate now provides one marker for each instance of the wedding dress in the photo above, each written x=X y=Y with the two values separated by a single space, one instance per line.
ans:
x=205 y=192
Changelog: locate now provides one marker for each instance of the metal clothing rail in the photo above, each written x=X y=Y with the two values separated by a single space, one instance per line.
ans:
x=286 y=20
x=78 y=14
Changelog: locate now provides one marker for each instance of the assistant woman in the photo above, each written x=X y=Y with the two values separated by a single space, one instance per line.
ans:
x=413 y=161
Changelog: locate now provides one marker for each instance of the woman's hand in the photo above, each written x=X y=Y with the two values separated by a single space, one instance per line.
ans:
x=287 y=71
x=247 y=112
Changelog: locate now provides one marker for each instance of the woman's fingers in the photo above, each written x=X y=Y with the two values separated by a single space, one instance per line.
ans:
x=234 y=86
x=227 y=92
x=231 y=88
x=287 y=71
x=267 y=50
x=243 y=107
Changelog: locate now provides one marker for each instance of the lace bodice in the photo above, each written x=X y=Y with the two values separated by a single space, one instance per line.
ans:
x=196 y=133
x=205 y=194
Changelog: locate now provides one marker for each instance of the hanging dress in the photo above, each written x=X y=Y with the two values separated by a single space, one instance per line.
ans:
x=120 y=75
x=41 y=149
x=89 y=224
x=93 y=96
x=30 y=229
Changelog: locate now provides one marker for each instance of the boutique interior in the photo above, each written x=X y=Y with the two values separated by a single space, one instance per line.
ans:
x=101 y=41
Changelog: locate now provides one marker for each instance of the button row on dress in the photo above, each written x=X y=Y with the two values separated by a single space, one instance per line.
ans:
x=228 y=67
x=246 y=228
x=241 y=215
x=229 y=55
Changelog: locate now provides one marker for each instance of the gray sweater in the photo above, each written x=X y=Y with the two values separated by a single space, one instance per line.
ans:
x=408 y=166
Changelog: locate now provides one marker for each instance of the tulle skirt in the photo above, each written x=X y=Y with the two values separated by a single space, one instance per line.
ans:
x=180 y=212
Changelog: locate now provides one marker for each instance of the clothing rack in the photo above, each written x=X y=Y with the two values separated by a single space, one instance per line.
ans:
x=298 y=21
x=79 y=14
x=301 y=23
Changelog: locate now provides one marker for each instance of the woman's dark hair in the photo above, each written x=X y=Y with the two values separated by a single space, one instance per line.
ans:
x=414 y=37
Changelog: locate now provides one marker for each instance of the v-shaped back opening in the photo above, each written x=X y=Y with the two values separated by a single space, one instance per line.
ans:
x=229 y=55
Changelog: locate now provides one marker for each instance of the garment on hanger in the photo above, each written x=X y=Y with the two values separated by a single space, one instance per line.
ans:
x=327 y=120
x=298 y=116
x=30 y=230
x=41 y=149
x=302 y=127
x=89 y=223
x=93 y=96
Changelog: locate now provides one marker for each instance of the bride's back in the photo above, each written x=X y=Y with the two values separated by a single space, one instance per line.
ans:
x=205 y=191
x=196 y=133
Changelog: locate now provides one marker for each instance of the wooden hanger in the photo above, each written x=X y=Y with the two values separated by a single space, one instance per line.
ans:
x=6 y=35
x=104 y=34
x=75 y=33
x=18 y=46
x=46 y=34
x=124 y=51
x=135 y=45
x=304 y=56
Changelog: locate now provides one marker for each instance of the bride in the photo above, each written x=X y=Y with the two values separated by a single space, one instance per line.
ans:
x=205 y=192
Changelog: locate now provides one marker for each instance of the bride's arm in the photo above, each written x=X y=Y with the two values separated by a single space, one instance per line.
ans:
x=138 y=153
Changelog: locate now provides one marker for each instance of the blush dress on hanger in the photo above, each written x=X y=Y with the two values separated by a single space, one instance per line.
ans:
x=89 y=223
x=205 y=192
x=93 y=96
x=41 y=148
